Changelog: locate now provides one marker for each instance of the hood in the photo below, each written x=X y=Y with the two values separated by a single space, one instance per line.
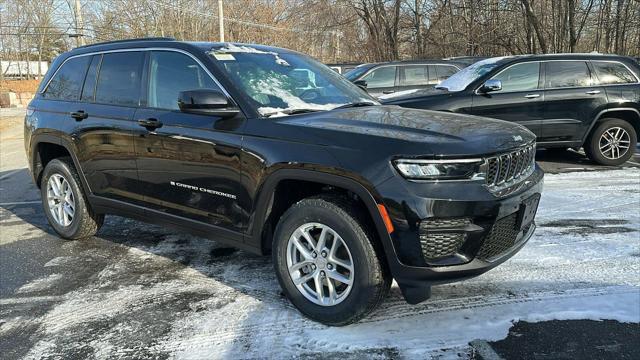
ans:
x=430 y=132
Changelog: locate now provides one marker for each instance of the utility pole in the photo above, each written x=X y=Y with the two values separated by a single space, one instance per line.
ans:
x=220 y=20
x=79 y=25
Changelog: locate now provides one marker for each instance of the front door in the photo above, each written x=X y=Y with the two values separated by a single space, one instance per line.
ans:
x=188 y=164
x=520 y=100
x=381 y=81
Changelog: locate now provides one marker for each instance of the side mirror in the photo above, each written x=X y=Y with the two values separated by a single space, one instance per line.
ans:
x=362 y=84
x=491 y=85
x=206 y=102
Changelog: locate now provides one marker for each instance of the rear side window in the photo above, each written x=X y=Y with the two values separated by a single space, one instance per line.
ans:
x=381 y=77
x=67 y=82
x=613 y=73
x=440 y=73
x=520 y=77
x=414 y=75
x=172 y=72
x=119 y=78
x=567 y=74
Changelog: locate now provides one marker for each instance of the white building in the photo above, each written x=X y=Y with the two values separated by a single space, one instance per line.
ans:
x=15 y=68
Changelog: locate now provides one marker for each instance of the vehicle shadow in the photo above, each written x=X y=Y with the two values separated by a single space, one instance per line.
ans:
x=559 y=160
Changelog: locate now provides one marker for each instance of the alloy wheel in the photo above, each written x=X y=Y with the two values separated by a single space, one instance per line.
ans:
x=320 y=264
x=614 y=143
x=62 y=204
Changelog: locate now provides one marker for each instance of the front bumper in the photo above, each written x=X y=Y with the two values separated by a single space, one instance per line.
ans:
x=494 y=229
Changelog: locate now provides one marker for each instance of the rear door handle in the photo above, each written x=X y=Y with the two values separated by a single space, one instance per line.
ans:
x=593 y=92
x=79 y=115
x=150 y=123
x=532 y=96
x=388 y=91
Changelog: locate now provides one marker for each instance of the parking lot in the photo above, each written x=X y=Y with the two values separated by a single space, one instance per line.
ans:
x=142 y=291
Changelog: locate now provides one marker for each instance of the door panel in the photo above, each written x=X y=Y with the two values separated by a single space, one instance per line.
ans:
x=381 y=81
x=571 y=101
x=520 y=100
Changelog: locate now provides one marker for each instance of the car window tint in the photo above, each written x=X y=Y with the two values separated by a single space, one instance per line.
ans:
x=67 y=82
x=613 y=73
x=414 y=75
x=520 y=77
x=171 y=72
x=443 y=72
x=88 y=90
x=567 y=74
x=381 y=77
x=119 y=78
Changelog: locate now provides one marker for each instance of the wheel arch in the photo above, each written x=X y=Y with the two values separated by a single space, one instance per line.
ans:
x=630 y=115
x=268 y=209
x=45 y=148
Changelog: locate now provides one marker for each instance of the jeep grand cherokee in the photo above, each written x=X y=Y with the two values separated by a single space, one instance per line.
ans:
x=272 y=152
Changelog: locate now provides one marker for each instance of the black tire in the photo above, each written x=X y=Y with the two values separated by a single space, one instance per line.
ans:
x=372 y=280
x=592 y=145
x=85 y=222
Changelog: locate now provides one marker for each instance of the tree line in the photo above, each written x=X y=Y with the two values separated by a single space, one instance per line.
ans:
x=332 y=30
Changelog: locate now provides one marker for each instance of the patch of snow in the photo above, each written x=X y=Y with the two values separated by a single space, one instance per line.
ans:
x=233 y=48
x=40 y=284
x=398 y=94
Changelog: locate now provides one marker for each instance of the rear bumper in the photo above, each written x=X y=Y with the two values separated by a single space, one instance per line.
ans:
x=494 y=230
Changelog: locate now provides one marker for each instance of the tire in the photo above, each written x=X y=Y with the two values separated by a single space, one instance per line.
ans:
x=83 y=222
x=597 y=138
x=370 y=278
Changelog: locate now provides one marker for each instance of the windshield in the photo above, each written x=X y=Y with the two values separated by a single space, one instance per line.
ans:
x=354 y=73
x=286 y=83
x=460 y=80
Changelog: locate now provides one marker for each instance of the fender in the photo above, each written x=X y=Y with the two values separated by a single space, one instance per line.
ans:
x=37 y=168
x=601 y=113
x=367 y=196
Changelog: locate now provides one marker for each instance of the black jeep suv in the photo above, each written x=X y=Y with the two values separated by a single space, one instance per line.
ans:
x=272 y=152
x=567 y=100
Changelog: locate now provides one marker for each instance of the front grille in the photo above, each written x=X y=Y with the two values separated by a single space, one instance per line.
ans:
x=441 y=238
x=506 y=170
x=501 y=238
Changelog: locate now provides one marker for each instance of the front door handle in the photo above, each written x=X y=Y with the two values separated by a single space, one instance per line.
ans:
x=593 y=92
x=388 y=91
x=532 y=96
x=150 y=123
x=79 y=115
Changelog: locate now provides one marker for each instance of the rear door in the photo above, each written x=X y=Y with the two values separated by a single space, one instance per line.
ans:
x=190 y=165
x=519 y=101
x=572 y=100
x=381 y=80
x=412 y=77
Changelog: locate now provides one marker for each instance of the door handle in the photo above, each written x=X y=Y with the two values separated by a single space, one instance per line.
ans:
x=79 y=115
x=532 y=96
x=593 y=92
x=150 y=123
x=388 y=91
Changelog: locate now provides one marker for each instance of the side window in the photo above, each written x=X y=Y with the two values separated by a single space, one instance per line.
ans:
x=89 y=88
x=67 y=82
x=414 y=75
x=442 y=72
x=520 y=77
x=171 y=72
x=381 y=77
x=613 y=73
x=567 y=74
x=119 y=78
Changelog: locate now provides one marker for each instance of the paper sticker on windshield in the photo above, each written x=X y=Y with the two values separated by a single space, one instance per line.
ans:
x=223 y=56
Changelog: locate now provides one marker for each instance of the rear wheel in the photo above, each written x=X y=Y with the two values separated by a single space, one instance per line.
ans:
x=64 y=203
x=613 y=142
x=326 y=263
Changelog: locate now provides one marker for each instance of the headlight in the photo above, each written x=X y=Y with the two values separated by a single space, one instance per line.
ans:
x=440 y=169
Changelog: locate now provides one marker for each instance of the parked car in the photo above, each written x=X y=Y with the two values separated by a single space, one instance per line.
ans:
x=567 y=100
x=270 y=151
x=467 y=60
x=343 y=68
x=402 y=77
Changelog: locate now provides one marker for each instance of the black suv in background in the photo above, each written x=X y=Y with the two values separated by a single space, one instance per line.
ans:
x=567 y=100
x=272 y=152
x=402 y=77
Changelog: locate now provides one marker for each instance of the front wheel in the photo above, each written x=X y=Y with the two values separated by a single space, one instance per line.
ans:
x=326 y=263
x=612 y=143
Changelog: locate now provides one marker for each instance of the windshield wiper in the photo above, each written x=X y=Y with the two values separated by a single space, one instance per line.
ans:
x=292 y=112
x=356 y=104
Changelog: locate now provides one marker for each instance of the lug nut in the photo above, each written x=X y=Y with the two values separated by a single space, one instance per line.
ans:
x=322 y=273
x=329 y=266
x=314 y=255
x=324 y=254
x=313 y=266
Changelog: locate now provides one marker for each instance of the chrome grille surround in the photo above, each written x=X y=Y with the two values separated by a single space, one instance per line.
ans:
x=505 y=173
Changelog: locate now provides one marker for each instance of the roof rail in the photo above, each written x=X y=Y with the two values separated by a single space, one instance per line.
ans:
x=129 y=40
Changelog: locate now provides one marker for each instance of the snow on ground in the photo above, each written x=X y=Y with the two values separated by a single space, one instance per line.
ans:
x=150 y=292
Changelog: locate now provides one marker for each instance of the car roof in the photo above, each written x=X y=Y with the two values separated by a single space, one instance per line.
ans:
x=561 y=56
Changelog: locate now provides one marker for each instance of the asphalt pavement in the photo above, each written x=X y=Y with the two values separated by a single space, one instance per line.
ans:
x=142 y=291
